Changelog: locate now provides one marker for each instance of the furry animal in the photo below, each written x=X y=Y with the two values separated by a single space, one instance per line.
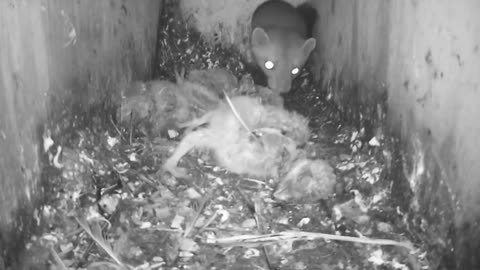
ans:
x=281 y=42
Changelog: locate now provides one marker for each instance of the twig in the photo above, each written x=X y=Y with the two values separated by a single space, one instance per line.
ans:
x=58 y=261
x=210 y=220
x=258 y=182
x=293 y=235
x=189 y=228
x=260 y=228
x=160 y=229
x=233 y=231
x=101 y=242
x=116 y=128
x=237 y=115
x=130 y=132
x=153 y=266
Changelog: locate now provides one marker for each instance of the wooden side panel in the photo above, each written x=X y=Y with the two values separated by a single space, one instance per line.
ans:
x=77 y=50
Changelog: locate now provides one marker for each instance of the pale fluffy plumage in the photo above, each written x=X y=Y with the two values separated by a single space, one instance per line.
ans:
x=306 y=180
x=273 y=154
x=237 y=149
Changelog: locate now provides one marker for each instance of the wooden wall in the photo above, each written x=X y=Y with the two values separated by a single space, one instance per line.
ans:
x=425 y=54
x=80 y=50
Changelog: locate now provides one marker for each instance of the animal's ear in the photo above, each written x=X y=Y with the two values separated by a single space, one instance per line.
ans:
x=308 y=46
x=260 y=37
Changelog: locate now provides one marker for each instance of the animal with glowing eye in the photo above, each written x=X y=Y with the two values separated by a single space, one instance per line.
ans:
x=279 y=42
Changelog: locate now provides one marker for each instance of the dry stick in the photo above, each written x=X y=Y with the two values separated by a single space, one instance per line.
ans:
x=153 y=266
x=292 y=235
x=258 y=182
x=188 y=229
x=116 y=128
x=58 y=261
x=209 y=221
x=130 y=133
x=166 y=230
x=100 y=242
x=260 y=228
x=254 y=209
x=236 y=114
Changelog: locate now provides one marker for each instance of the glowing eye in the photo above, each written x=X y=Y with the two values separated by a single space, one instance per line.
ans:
x=295 y=71
x=269 y=65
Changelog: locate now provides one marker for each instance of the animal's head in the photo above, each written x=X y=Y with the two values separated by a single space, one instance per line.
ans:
x=280 y=55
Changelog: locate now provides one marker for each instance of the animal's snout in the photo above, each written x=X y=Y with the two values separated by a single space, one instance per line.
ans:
x=280 y=82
